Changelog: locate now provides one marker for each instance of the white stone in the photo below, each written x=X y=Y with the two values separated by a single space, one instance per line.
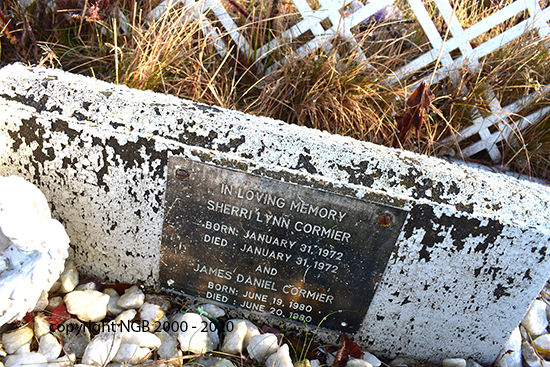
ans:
x=126 y=316
x=133 y=297
x=69 y=278
x=315 y=363
x=529 y=355
x=234 y=337
x=102 y=349
x=142 y=339
x=32 y=359
x=454 y=362
x=113 y=309
x=222 y=362
x=213 y=310
x=90 y=286
x=163 y=324
x=24 y=349
x=371 y=358
x=168 y=347
x=42 y=302
x=54 y=302
x=535 y=320
x=280 y=359
x=173 y=324
x=41 y=325
x=514 y=344
x=251 y=331
x=132 y=354
x=150 y=313
x=33 y=247
x=542 y=343
x=262 y=346
x=49 y=346
x=237 y=335
x=211 y=330
x=13 y=340
x=158 y=300
x=75 y=335
x=87 y=305
x=355 y=362
x=55 y=287
x=193 y=339
x=524 y=333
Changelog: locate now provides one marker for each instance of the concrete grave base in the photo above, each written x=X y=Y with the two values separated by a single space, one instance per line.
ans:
x=470 y=257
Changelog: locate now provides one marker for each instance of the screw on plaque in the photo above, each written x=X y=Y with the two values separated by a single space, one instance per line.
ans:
x=182 y=174
x=384 y=220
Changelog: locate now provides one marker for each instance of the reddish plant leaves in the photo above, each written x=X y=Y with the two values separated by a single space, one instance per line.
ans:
x=240 y=9
x=6 y=28
x=28 y=317
x=269 y=329
x=59 y=316
x=419 y=102
x=69 y=10
x=347 y=348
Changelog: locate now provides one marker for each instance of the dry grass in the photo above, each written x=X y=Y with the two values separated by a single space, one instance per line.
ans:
x=328 y=90
x=328 y=93
x=173 y=55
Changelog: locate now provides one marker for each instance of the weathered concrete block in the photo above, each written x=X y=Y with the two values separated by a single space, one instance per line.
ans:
x=471 y=254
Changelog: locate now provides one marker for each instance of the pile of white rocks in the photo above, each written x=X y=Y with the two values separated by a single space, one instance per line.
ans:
x=102 y=327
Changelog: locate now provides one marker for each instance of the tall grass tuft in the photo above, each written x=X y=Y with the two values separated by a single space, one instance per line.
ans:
x=329 y=91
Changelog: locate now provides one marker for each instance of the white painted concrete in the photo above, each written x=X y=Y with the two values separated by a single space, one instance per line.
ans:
x=472 y=254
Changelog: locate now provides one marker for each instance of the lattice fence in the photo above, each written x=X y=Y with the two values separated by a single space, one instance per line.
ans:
x=450 y=50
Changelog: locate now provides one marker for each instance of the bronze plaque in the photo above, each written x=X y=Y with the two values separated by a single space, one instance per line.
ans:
x=274 y=247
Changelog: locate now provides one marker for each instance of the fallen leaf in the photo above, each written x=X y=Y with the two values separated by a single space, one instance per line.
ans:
x=6 y=28
x=59 y=316
x=347 y=348
x=422 y=96
x=269 y=329
x=120 y=287
x=419 y=102
x=28 y=317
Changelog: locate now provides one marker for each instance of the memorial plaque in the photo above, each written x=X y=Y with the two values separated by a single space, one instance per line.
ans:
x=274 y=247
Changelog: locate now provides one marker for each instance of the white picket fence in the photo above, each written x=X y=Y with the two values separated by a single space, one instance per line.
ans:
x=456 y=38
